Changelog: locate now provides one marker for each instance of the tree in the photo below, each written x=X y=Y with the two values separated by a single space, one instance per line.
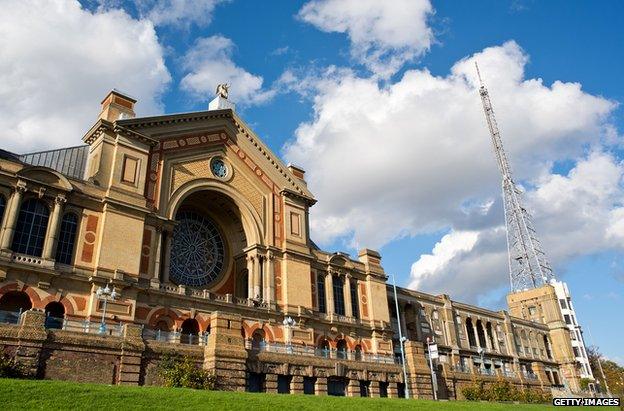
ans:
x=613 y=372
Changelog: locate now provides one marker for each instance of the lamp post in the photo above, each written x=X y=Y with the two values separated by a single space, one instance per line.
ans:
x=401 y=338
x=105 y=294
x=288 y=324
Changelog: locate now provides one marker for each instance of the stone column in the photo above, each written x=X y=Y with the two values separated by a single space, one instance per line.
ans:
x=167 y=257
x=49 y=246
x=269 y=278
x=419 y=375
x=346 y=290
x=353 y=389
x=250 y=278
x=329 y=293
x=393 y=390
x=320 y=388
x=476 y=334
x=271 y=383
x=258 y=278
x=296 y=384
x=488 y=344
x=12 y=212
x=374 y=389
x=155 y=280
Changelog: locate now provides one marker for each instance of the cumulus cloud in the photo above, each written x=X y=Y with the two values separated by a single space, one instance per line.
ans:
x=383 y=35
x=181 y=13
x=209 y=63
x=58 y=62
x=414 y=156
x=576 y=214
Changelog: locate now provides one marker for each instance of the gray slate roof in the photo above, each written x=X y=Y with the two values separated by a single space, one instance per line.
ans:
x=70 y=161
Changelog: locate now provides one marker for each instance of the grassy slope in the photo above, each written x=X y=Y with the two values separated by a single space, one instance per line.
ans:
x=29 y=394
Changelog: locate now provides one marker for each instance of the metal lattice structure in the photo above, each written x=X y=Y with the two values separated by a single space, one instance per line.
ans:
x=528 y=265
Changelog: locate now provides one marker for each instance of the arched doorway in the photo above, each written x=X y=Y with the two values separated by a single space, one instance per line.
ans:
x=341 y=349
x=324 y=348
x=15 y=301
x=189 y=331
x=55 y=314
x=257 y=340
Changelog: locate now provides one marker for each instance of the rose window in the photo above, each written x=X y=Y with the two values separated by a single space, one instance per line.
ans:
x=197 y=250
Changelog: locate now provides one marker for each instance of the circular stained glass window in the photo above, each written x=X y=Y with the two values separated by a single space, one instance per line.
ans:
x=219 y=168
x=197 y=250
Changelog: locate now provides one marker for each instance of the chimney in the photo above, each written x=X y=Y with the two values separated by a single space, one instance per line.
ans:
x=298 y=172
x=117 y=106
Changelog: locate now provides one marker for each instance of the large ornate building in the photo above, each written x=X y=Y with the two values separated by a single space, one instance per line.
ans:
x=204 y=235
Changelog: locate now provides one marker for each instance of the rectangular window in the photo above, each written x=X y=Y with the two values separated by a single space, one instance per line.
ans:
x=320 y=292
x=563 y=304
x=295 y=224
x=566 y=317
x=532 y=311
x=129 y=170
x=576 y=352
x=355 y=301
x=339 y=305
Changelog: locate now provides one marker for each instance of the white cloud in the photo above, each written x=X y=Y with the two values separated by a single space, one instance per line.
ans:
x=178 y=12
x=57 y=63
x=209 y=63
x=415 y=156
x=383 y=35
x=573 y=216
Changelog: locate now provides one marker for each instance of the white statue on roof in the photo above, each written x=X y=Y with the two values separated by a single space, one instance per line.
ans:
x=221 y=102
x=223 y=90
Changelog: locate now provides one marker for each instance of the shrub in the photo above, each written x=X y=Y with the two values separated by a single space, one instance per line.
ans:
x=502 y=390
x=179 y=371
x=11 y=368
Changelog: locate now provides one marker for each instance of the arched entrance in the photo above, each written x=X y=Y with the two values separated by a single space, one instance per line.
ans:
x=189 y=331
x=257 y=340
x=55 y=314
x=12 y=304
x=341 y=349
x=208 y=242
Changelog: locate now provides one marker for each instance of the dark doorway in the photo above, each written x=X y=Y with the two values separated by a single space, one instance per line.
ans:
x=255 y=382
x=336 y=386
x=190 y=332
x=55 y=313
x=308 y=385
x=341 y=349
x=401 y=390
x=383 y=389
x=283 y=384
x=364 y=388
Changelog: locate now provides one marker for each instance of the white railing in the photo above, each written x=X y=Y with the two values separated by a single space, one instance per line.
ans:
x=89 y=327
x=10 y=317
x=296 y=349
x=176 y=337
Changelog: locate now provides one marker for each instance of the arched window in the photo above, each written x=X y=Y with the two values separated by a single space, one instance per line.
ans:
x=257 y=340
x=357 y=353
x=470 y=330
x=355 y=301
x=547 y=347
x=324 y=348
x=67 y=238
x=341 y=349
x=2 y=207
x=339 y=305
x=481 y=334
x=55 y=312
x=32 y=223
x=320 y=291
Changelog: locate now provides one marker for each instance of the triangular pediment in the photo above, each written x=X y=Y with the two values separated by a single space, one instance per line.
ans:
x=184 y=129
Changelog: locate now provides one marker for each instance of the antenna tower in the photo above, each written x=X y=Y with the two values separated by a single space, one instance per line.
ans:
x=528 y=266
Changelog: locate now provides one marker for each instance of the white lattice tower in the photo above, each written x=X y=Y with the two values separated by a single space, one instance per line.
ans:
x=528 y=266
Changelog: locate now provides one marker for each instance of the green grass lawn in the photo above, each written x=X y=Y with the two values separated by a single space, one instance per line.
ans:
x=33 y=394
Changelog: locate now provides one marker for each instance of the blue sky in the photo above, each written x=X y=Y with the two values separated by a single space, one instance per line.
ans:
x=388 y=125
